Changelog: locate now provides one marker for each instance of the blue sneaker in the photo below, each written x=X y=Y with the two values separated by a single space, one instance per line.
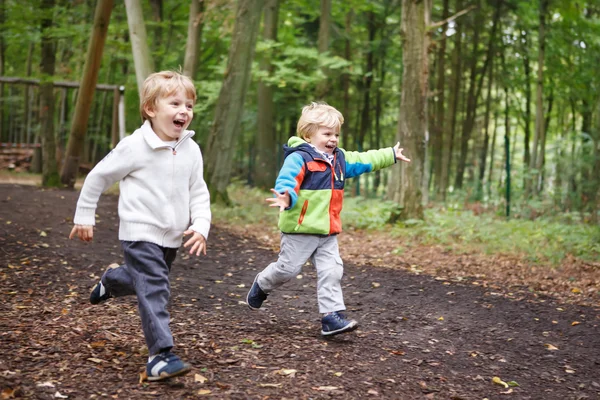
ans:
x=255 y=296
x=99 y=294
x=335 y=323
x=166 y=365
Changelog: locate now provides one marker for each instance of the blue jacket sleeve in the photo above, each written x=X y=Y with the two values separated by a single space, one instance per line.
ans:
x=290 y=177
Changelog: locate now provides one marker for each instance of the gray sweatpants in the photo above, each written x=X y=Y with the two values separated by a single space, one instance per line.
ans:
x=146 y=274
x=323 y=252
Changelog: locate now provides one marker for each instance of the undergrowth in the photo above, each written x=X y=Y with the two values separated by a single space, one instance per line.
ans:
x=545 y=240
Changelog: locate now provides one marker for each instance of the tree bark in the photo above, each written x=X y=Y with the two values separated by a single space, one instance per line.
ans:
x=453 y=106
x=486 y=136
x=266 y=143
x=228 y=115
x=86 y=92
x=474 y=94
x=437 y=133
x=144 y=65
x=50 y=175
x=323 y=43
x=539 y=98
x=407 y=179
x=2 y=65
x=194 y=38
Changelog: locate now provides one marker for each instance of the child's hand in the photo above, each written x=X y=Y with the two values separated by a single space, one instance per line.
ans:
x=197 y=241
x=399 y=155
x=85 y=232
x=280 y=200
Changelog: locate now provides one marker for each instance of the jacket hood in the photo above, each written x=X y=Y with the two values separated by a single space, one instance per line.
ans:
x=296 y=143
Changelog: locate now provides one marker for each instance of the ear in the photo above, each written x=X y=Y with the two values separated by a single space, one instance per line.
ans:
x=150 y=111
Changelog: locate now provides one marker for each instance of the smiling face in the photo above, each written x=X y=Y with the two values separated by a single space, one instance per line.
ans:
x=171 y=115
x=324 y=139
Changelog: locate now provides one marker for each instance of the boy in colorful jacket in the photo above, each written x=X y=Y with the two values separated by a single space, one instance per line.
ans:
x=309 y=192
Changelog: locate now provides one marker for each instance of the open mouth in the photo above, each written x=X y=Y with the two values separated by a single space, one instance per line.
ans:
x=179 y=123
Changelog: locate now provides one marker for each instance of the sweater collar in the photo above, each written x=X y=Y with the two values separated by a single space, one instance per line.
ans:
x=154 y=141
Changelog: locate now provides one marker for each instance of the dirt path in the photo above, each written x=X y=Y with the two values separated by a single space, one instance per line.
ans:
x=419 y=337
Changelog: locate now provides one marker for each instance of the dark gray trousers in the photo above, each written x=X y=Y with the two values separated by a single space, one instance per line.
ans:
x=146 y=274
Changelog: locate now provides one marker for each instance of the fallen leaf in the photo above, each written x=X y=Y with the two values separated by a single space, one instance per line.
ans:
x=550 y=347
x=96 y=360
x=143 y=376
x=45 y=384
x=290 y=372
x=204 y=392
x=499 y=381
x=60 y=396
x=576 y=290
x=326 y=388
x=575 y=323
x=274 y=385
x=8 y=393
x=375 y=284
x=199 y=378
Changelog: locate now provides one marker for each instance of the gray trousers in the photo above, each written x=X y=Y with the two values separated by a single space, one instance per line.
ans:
x=323 y=252
x=146 y=274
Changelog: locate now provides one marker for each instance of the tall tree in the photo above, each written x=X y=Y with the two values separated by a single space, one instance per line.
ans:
x=475 y=87
x=539 y=94
x=323 y=42
x=453 y=105
x=266 y=164
x=144 y=64
x=50 y=175
x=194 y=35
x=87 y=87
x=407 y=180
x=438 y=132
x=2 y=65
x=228 y=115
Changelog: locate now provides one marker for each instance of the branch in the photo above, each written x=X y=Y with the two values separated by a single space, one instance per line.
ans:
x=452 y=18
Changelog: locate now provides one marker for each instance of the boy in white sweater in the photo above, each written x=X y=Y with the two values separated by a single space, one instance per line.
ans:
x=162 y=190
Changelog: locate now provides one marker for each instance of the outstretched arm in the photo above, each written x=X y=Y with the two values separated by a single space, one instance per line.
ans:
x=398 y=153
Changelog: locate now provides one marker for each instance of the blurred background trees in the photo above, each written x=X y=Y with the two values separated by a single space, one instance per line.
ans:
x=481 y=93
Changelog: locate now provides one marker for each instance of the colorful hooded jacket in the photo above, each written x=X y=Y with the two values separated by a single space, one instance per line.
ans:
x=316 y=186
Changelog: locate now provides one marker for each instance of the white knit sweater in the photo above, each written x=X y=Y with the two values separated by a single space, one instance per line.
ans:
x=162 y=188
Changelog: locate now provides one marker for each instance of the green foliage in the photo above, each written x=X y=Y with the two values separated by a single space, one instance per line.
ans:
x=545 y=241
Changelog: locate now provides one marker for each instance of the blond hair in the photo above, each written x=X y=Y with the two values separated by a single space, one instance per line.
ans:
x=317 y=114
x=163 y=84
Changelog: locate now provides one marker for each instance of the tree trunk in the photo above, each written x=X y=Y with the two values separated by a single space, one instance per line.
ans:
x=266 y=144
x=86 y=92
x=539 y=98
x=50 y=175
x=323 y=43
x=542 y=153
x=453 y=106
x=346 y=78
x=407 y=179
x=474 y=93
x=527 y=88
x=228 y=115
x=486 y=136
x=437 y=133
x=144 y=65
x=2 y=64
x=365 y=119
x=194 y=38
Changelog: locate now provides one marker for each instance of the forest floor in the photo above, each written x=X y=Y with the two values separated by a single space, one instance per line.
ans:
x=432 y=325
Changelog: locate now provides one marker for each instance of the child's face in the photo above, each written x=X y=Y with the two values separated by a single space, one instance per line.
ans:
x=171 y=115
x=325 y=139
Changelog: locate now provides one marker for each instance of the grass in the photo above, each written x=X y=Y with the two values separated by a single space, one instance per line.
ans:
x=546 y=240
